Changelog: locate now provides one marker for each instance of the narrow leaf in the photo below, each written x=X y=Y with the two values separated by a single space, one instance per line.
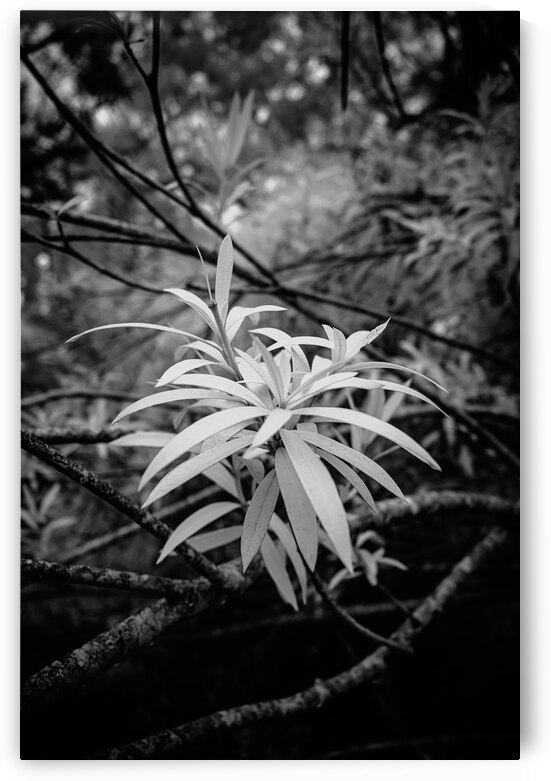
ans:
x=215 y=539
x=144 y=439
x=181 y=368
x=275 y=567
x=276 y=419
x=351 y=456
x=288 y=541
x=166 y=397
x=322 y=493
x=196 y=304
x=258 y=517
x=195 y=434
x=299 y=508
x=193 y=523
x=370 y=423
x=186 y=471
x=349 y=474
x=224 y=269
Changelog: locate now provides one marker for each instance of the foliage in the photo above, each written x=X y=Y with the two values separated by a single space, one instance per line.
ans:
x=266 y=425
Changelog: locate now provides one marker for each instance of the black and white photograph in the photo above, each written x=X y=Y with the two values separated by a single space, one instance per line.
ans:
x=270 y=385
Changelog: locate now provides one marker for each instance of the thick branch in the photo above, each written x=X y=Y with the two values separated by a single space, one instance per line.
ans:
x=106 y=578
x=321 y=692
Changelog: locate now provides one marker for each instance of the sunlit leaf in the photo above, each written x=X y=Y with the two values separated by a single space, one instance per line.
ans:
x=223 y=384
x=186 y=471
x=275 y=420
x=144 y=439
x=194 y=523
x=368 y=365
x=351 y=456
x=180 y=368
x=322 y=493
x=349 y=474
x=300 y=511
x=370 y=423
x=224 y=270
x=167 y=397
x=288 y=541
x=151 y=326
x=211 y=540
x=193 y=435
x=222 y=476
x=258 y=517
x=196 y=304
x=238 y=314
x=275 y=566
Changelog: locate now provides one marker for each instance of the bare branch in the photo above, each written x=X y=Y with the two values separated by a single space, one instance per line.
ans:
x=106 y=578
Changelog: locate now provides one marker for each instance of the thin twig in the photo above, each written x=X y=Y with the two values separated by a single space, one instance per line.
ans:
x=348 y=620
x=322 y=691
x=67 y=249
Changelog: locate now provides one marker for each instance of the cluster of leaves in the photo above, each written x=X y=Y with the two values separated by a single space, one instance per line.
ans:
x=262 y=415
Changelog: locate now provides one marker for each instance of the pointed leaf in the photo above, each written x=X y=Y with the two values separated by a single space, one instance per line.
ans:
x=180 y=368
x=196 y=304
x=152 y=326
x=288 y=541
x=222 y=476
x=370 y=423
x=258 y=517
x=166 y=397
x=349 y=474
x=275 y=566
x=276 y=419
x=215 y=539
x=144 y=439
x=322 y=493
x=223 y=384
x=224 y=270
x=299 y=508
x=193 y=523
x=351 y=456
x=195 y=434
x=369 y=365
x=186 y=471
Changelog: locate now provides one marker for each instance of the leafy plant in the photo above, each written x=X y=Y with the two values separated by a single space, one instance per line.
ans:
x=259 y=438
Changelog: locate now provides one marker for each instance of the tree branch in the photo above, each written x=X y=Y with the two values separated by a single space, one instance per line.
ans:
x=105 y=578
x=322 y=691
x=82 y=436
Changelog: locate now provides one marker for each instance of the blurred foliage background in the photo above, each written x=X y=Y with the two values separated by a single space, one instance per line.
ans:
x=380 y=168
